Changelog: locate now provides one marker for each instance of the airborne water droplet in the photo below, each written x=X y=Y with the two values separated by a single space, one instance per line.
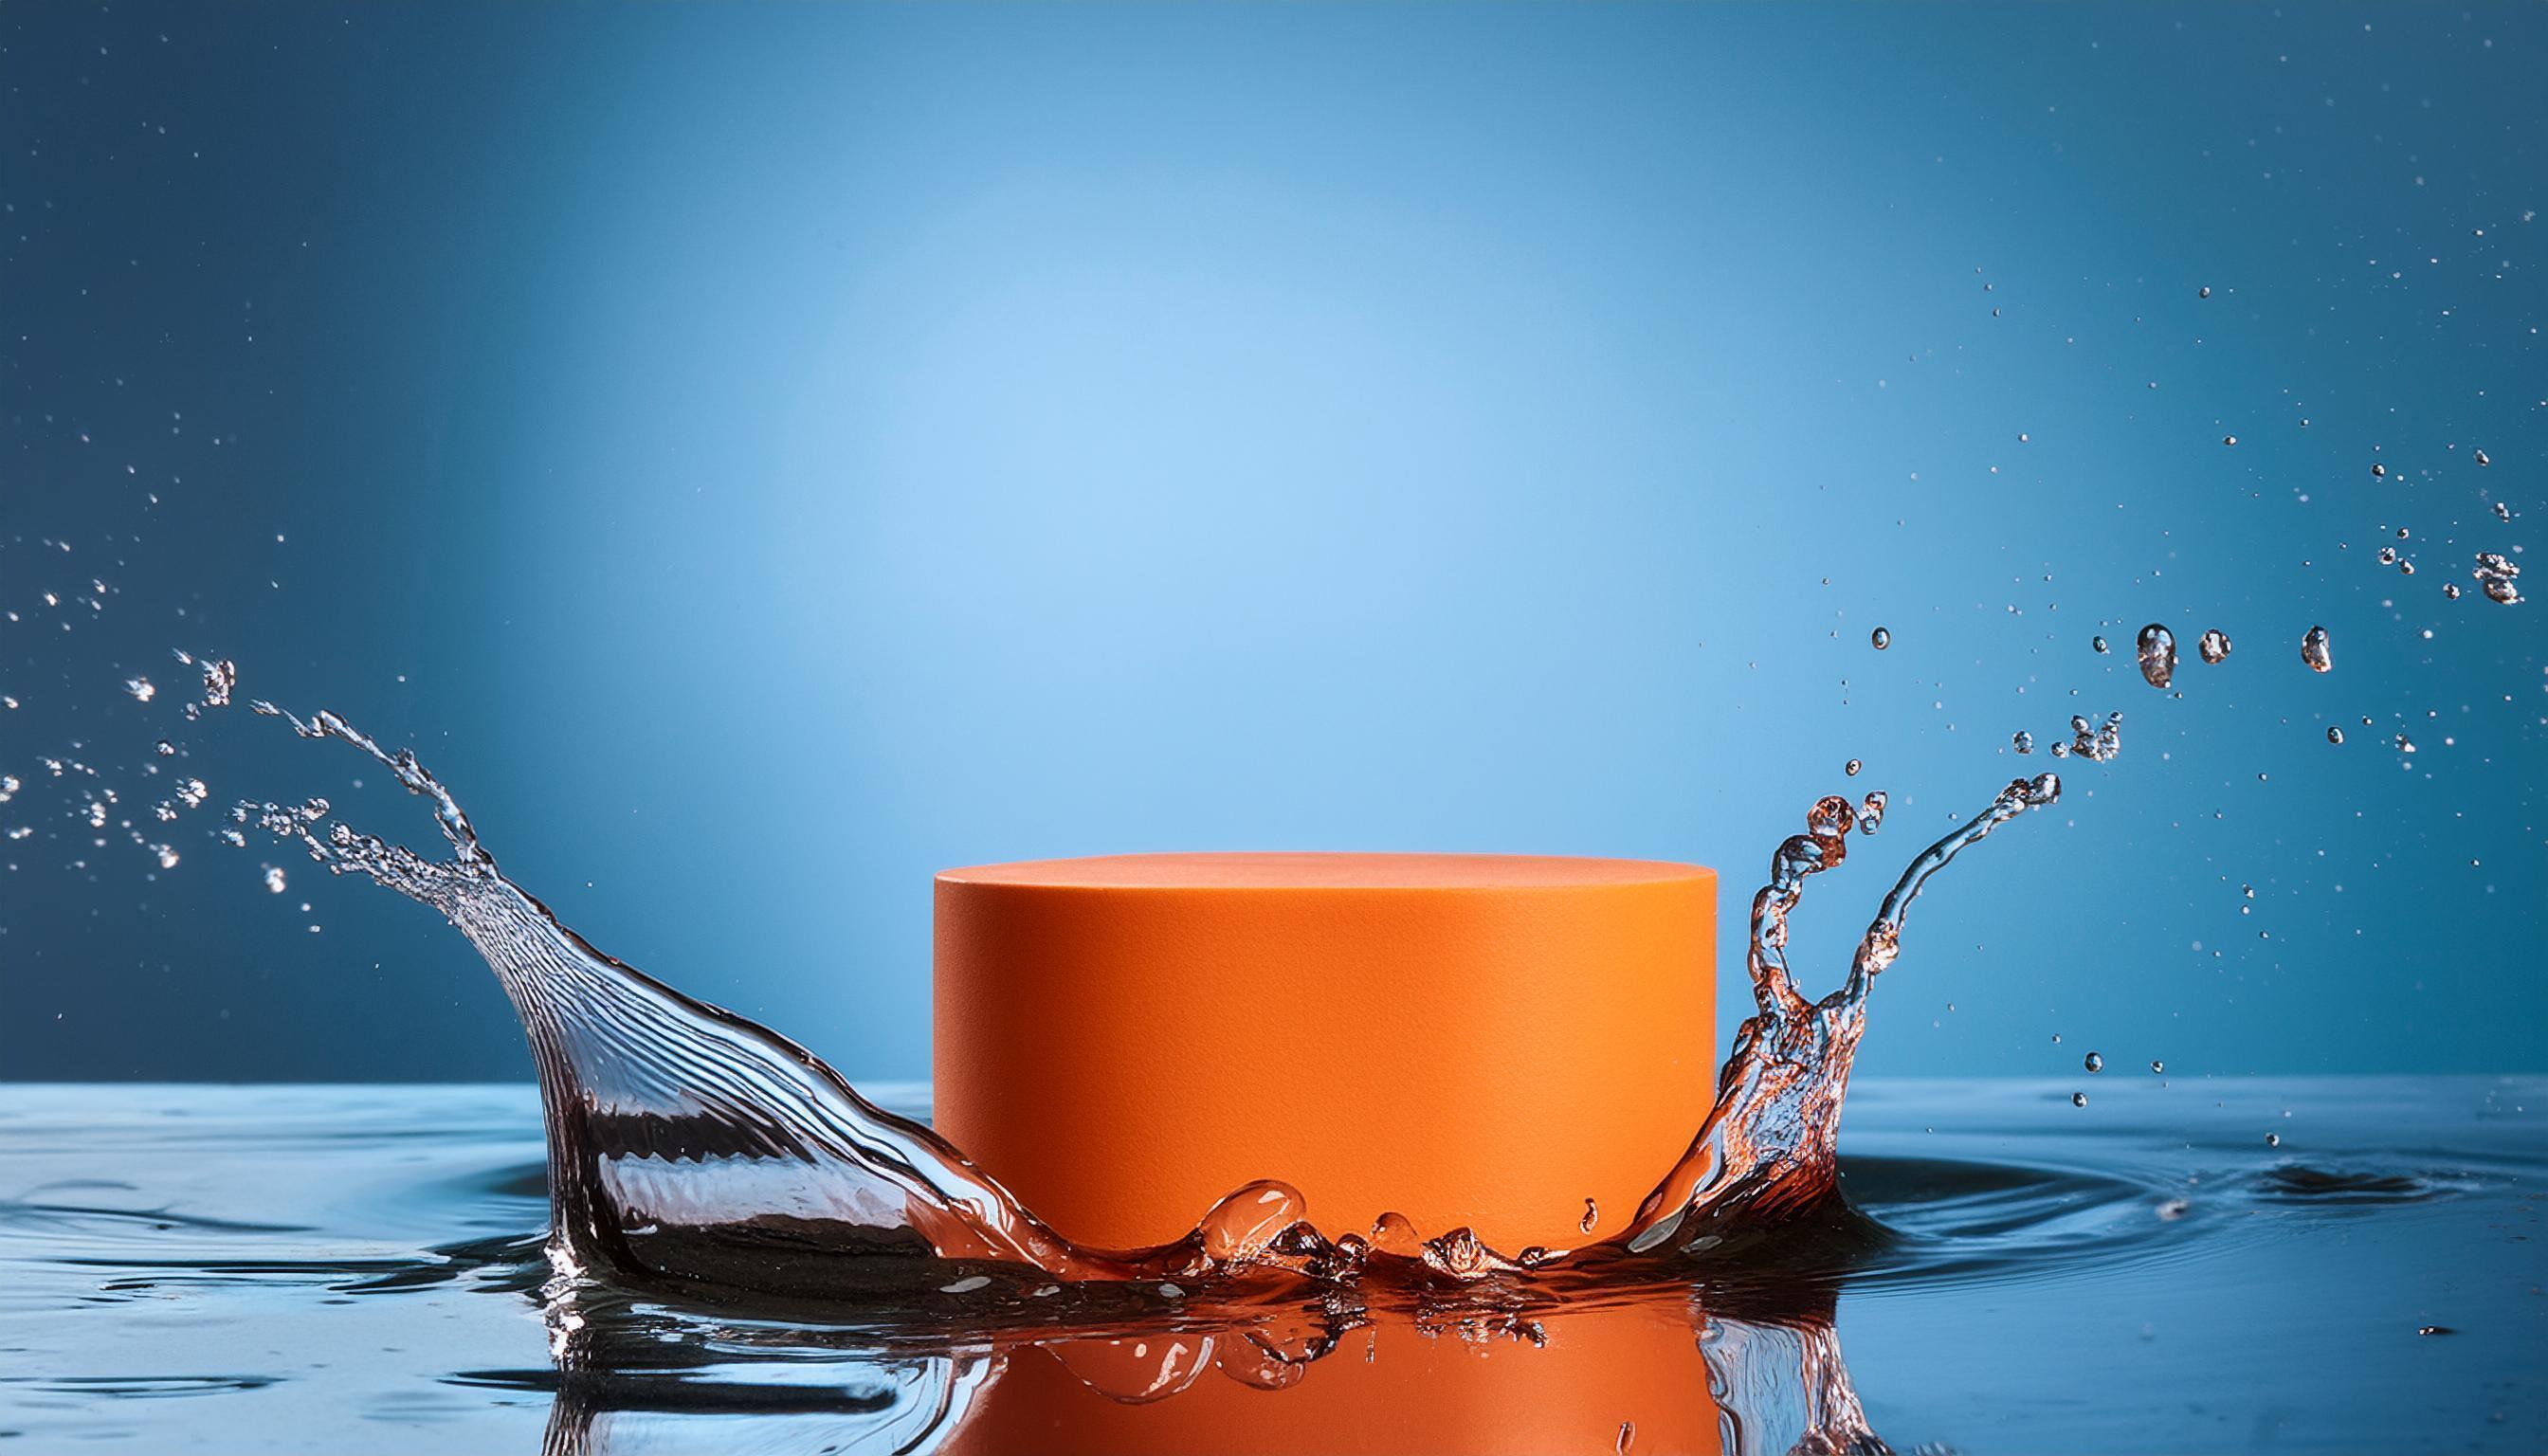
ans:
x=2159 y=1068
x=1882 y=638
x=2022 y=741
x=2334 y=734
x=2214 y=645
x=2156 y=649
x=2078 y=1099
x=2094 y=1063
x=2314 y=650
x=1850 y=768
x=2498 y=576
x=2099 y=643
x=2273 y=1139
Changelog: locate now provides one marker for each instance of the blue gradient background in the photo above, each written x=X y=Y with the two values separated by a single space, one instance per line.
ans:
x=763 y=455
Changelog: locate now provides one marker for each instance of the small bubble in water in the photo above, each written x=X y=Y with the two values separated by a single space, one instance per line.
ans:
x=166 y=750
x=2214 y=645
x=2406 y=745
x=2314 y=650
x=2022 y=741
x=192 y=793
x=274 y=883
x=1882 y=638
x=2094 y=1063
x=2502 y=511
x=2451 y=590
x=2098 y=643
x=2078 y=1099
x=1850 y=768
x=2156 y=649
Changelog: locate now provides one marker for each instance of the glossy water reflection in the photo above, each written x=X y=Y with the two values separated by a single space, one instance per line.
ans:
x=328 y=1267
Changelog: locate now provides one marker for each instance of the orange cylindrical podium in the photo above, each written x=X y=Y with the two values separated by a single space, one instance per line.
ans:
x=1500 y=1041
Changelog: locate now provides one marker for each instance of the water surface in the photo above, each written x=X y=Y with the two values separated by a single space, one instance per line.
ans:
x=327 y=1267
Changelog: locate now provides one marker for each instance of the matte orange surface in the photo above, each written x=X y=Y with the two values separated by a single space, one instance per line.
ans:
x=1486 y=1041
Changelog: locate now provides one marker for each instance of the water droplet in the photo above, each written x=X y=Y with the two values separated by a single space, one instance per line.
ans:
x=1591 y=1216
x=2273 y=1139
x=1882 y=638
x=1850 y=768
x=2314 y=650
x=2498 y=576
x=2098 y=643
x=2094 y=1063
x=2379 y=471
x=2204 y=292
x=2214 y=645
x=141 y=689
x=1871 y=812
x=2388 y=556
x=2451 y=590
x=2159 y=1068
x=165 y=749
x=2435 y=1329
x=2228 y=440
x=2406 y=745
x=220 y=678
x=2078 y=1099
x=2482 y=458
x=274 y=883
x=2334 y=734
x=2022 y=741
x=2156 y=649
x=1627 y=1436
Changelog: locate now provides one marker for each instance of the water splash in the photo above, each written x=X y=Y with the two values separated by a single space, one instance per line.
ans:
x=691 y=1147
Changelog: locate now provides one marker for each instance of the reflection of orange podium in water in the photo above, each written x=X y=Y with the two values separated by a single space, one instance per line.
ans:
x=1389 y=1389
x=1480 y=1041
